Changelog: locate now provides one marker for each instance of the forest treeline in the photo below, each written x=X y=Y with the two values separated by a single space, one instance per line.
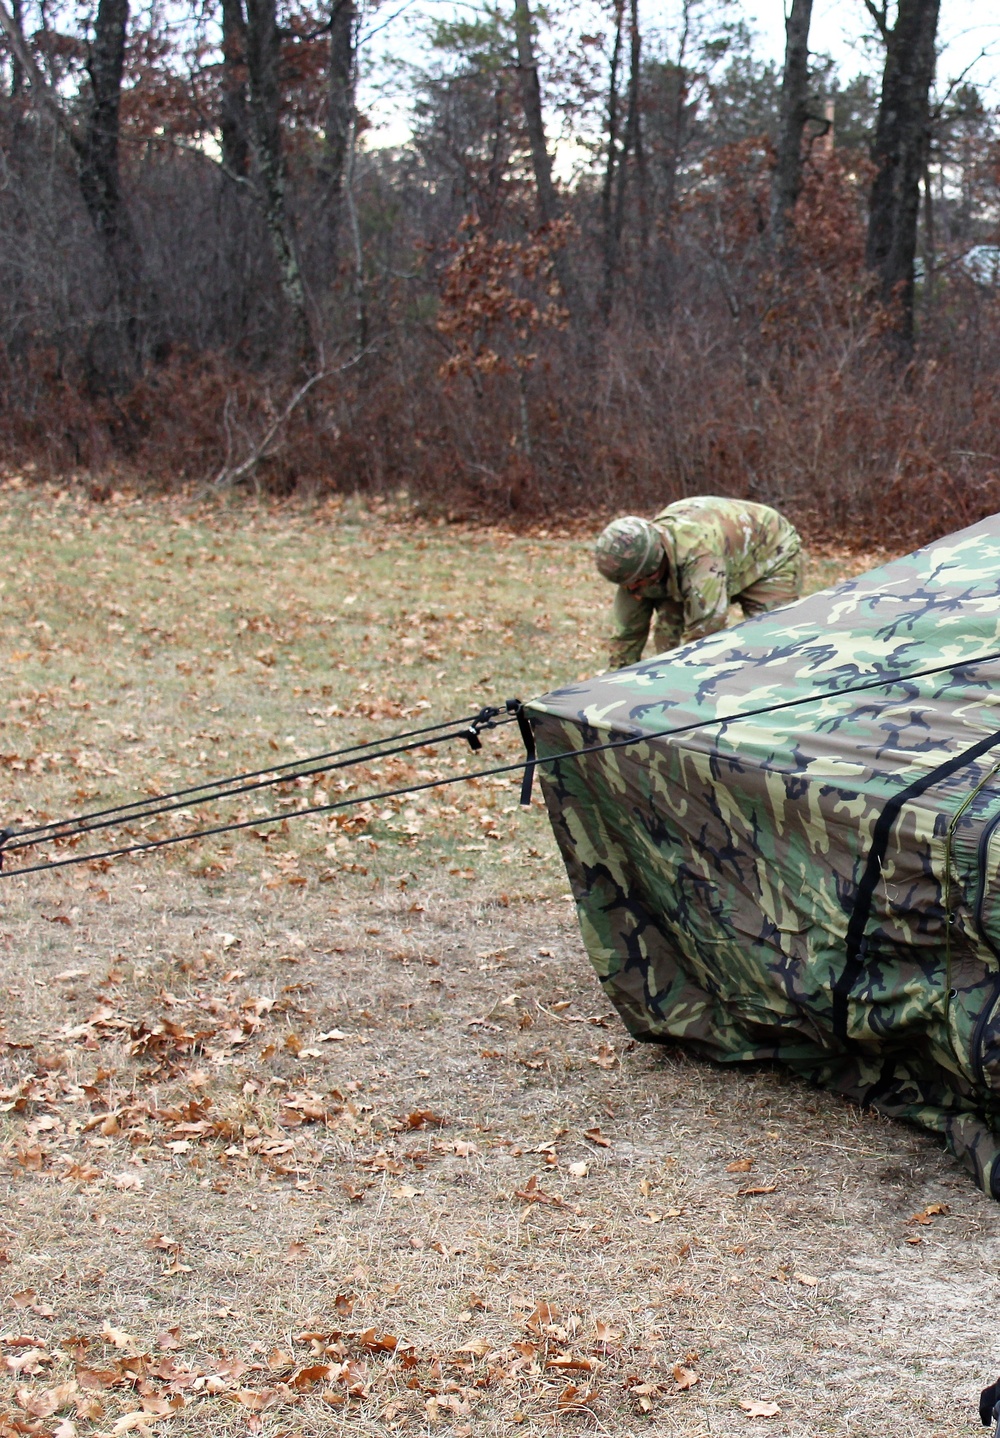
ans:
x=609 y=267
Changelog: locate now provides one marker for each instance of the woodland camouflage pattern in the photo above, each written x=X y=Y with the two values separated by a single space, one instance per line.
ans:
x=717 y=550
x=717 y=871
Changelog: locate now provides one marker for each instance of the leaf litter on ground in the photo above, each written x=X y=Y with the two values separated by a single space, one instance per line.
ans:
x=264 y=1116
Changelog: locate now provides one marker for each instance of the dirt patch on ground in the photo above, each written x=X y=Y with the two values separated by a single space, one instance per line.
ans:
x=271 y=1159
x=330 y=1124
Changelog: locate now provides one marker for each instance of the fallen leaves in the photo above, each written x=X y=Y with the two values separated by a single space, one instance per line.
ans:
x=654 y=1216
x=605 y=1335
x=756 y=1408
x=120 y=1339
x=544 y=1315
x=132 y=1390
x=605 y=1058
x=374 y=1342
x=644 y=1393
x=574 y=1397
x=571 y=1363
x=165 y=1384
x=31 y=1360
x=531 y=1193
x=594 y=1135
x=477 y=1348
x=46 y=1401
x=425 y=1118
x=50 y=1103
x=27 y=1299
x=932 y=1211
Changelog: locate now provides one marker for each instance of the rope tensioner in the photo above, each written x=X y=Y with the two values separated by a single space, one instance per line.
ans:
x=485 y=719
x=134 y=811
x=489 y=717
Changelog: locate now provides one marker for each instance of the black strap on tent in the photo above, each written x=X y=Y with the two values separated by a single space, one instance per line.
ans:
x=856 y=944
x=989 y=1407
x=515 y=707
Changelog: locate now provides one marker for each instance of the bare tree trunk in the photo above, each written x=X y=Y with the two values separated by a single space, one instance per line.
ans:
x=531 y=99
x=930 y=243
x=360 y=305
x=340 y=116
x=498 y=156
x=630 y=143
x=549 y=210
x=263 y=53
x=611 y=165
x=678 y=118
x=899 y=152
x=96 y=148
x=787 y=179
x=640 y=150
x=16 y=68
x=669 y=163
x=340 y=93
x=233 y=119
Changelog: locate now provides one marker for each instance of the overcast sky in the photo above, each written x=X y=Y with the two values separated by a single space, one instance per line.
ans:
x=965 y=30
x=969 y=38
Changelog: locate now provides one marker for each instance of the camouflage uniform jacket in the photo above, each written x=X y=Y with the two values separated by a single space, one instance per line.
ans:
x=715 y=549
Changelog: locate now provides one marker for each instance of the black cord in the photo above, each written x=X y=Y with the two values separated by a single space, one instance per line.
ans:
x=138 y=804
x=515 y=709
x=264 y=819
x=124 y=814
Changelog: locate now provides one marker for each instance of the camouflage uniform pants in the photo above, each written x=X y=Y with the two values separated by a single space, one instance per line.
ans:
x=781 y=587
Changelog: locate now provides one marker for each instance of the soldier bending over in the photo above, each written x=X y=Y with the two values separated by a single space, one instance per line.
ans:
x=688 y=564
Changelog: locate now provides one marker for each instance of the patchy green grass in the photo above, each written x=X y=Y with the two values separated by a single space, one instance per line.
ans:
x=148 y=647
x=327 y=1125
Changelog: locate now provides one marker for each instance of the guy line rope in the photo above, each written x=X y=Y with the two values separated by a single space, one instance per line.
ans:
x=468 y=728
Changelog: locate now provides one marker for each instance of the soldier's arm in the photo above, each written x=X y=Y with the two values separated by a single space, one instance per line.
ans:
x=631 y=617
x=669 y=626
x=706 y=596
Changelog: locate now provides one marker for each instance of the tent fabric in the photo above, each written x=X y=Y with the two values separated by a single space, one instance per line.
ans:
x=809 y=871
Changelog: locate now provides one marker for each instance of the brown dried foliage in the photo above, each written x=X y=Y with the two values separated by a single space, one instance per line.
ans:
x=725 y=369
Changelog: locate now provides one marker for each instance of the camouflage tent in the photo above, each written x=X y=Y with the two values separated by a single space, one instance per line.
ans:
x=784 y=839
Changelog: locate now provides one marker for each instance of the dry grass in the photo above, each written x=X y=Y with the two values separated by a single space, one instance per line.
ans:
x=358 y=1082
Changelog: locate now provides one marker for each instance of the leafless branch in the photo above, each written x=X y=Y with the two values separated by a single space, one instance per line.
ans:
x=41 y=90
x=229 y=475
x=880 y=16
x=938 y=109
